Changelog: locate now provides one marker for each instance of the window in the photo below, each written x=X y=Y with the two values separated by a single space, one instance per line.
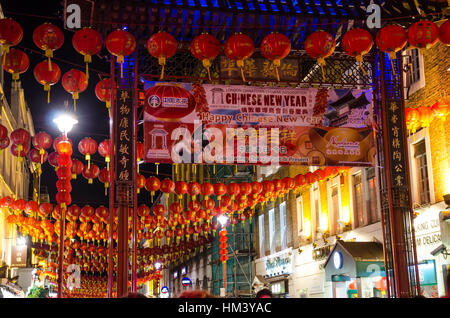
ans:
x=335 y=208
x=261 y=235
x=371 y=195
x=272 y=230
x=414 y=77
x=299 y=203
x=316 y=194
x=421 y=165
x=358 y=200
x=283 y=230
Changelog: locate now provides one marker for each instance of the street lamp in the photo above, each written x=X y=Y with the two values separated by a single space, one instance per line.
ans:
x=65 y=122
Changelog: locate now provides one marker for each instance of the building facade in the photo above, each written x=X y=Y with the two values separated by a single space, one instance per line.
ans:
x=326 y=240
x=15 y=176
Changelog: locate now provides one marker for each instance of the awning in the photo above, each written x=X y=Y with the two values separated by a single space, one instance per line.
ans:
x=354 y=259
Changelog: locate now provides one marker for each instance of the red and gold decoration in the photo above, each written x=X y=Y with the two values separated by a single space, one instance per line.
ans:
x=87 y=42
x=444 y=33
x=391 y=39
x=47 y=76
x=87 y=146
x=275 y=47
x=15 y=62
x=120 y=43
x=238 y=48
x=11 y=33
x=103 y=93
x=162 y=45
x=357 y=42
x=48 y=37
x=74 y=82
x=423 y=34
x=205 y=48
x=320 y=45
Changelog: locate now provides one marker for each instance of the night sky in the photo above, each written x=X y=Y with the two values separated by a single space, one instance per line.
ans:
x=91 y=112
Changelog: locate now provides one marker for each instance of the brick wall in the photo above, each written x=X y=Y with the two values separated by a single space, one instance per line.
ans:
x=437 y=80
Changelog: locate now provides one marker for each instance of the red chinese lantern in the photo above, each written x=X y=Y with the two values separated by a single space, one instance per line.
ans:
x=87 y=212
x=357 y=42
x=300 y=180
x=140 y=182
x=120 y=43
x=239 y=47
x=426 y=115
x=42 y=141
x=219 y=190
x=207 y=190
x=35 y=156
x=48 y=37
x=104 y=150
x=87 y=42
x=152 y=184
x=168 y=102
x=87 y=146
x=3 y=132
x=245 y=189
x=58 y=139
x=77 y=168
x=11 y=33
x=268 y=187
x=20 y=137
x=91 y=172
x=320 y=45
x=319 y=174
x=275 y=47
x=53 y=159
x=176 y=208
x=159 y=210
x=205 y=48
x=64 y=147
x=104 y=177
x=391 y=39
x=45 y=209
x=423 y=34
x=441 y=109
x=444 y=33
x=412 y=117
x=181 y=187
x=167 y=186
x=143 y=210
x=102 y=213
x=162 y=45
x=103 y=92
x=194 y=189
x=15 y=62
x=233 y=189
x=4 y=143
x=46 y=76
x=310 y=178
x=73 y=212
x=74 y=82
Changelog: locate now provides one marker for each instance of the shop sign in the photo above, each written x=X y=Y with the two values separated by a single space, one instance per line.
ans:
x=124 y=119
x=237 y=124
x=321 y=253
x=279 y=265
x=427 y=231
x=19 y=256
x=186 y=281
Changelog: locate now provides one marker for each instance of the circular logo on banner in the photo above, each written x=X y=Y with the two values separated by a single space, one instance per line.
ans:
x=186 y=281
x=154 y=101
x=337 y=260
x=164 y=289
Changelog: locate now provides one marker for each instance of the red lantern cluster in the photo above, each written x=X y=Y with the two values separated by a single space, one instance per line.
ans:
x=223 y=245
x=64 y=149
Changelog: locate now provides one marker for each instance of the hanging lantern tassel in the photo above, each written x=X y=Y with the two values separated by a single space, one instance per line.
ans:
x=214 y=169
x=162 y=62
x=88 y=158
x=108 y=106
x=152 y=193
x=277 y=63
x=47 y=89
x=106 y=188
x=157 y=166
x=15 y=77
x=359 y=59
x=392 y=56
x=75 y=97
x=240 y=64
x=49 y=54
x=321 y=62
x=120 y=60
x=207 y=65
x=87 y=60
